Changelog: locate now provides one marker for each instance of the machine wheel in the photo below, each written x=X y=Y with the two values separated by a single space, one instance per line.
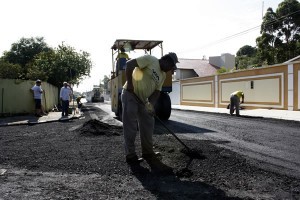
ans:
x=163 y=106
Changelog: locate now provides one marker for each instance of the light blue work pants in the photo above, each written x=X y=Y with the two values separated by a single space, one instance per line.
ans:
x=135 y=114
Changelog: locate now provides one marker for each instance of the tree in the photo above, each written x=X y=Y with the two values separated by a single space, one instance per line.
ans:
x=246 y=51
x=33 y=59
x=24 y=51
x=280 y=33
x=105 y=81
x=9 y=70
x=246 y=57
x=63 y=64
x=222 y=70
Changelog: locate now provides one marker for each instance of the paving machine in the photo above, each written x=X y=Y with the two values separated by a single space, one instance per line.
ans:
x=97 y=94
x=163 y=105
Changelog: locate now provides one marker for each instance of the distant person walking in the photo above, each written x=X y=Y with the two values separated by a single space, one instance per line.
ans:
x=37 y=95
x=65 y=96
x=235 y=102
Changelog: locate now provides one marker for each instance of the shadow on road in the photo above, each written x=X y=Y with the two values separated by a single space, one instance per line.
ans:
x=171 y=187
x=251 y=117
x=180 y=127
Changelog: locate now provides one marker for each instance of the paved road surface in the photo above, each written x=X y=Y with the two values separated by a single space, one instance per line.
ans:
x=266 y=140
x=271 y=141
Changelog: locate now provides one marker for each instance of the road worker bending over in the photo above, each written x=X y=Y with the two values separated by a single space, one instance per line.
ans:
x=235 y=102
x=145 y=76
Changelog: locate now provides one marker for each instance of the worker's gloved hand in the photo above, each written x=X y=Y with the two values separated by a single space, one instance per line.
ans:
x=150 y=108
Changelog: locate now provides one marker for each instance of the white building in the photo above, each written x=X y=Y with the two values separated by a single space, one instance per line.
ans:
x=190 y=68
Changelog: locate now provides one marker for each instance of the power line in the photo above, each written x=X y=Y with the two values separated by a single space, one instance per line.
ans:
x=241 y=33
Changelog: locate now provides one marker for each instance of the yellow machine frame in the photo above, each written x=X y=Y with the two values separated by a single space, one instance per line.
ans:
x=118 y=75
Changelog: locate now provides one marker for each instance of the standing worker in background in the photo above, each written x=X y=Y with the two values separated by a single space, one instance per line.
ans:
x=65 y=96
x=145 y=76
x=235 y=102
x=122 y=54
x=37 y=95
x=122 y=58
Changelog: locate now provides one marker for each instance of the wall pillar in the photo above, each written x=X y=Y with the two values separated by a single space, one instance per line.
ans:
x=216 y=92
x=290 y=87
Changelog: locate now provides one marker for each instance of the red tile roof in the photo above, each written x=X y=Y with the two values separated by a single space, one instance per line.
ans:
x=200 y=66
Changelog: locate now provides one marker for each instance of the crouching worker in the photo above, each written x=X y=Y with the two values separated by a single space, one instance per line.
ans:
x=235 y=102
x=145 y=76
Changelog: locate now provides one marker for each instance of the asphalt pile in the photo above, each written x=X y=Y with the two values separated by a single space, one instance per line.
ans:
x=95 y=127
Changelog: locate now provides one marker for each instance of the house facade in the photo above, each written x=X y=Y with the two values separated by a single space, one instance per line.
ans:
x=192 y=68
x=189 y=68
x=269 y=87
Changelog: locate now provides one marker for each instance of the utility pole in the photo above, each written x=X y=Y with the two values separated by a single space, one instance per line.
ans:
x=262 y=10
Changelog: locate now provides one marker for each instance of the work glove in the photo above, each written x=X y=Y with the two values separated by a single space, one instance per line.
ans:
x=150 y=108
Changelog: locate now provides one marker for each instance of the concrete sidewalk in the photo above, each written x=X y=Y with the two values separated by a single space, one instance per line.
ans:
x=265 y=113
x=32 y=119
x=56 y=116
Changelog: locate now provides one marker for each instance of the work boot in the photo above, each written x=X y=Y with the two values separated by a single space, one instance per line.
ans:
x=137 y=169
x=131 y=160
x=157 y=167
x=134 y=165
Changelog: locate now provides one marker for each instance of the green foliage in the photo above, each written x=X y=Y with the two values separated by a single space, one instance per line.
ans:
x=24 y=51
x=246 y=62
x=246 y=51
x=31 y=58
x=246 y=57
x=63 y=64
x=9 y=70
x=34 y=73
x=105 y=82
x=280 y=33
x=279 y=40
x=222 y=70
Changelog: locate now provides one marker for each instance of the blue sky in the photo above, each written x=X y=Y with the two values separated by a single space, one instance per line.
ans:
x=191 y=28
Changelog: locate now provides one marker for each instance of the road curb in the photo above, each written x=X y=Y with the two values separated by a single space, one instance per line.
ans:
x=39 y=122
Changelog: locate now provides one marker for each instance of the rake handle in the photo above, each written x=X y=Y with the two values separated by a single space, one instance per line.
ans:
x=163 y=124
x=171 y=132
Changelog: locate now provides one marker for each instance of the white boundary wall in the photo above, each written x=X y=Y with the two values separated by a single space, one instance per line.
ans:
x=273 y=87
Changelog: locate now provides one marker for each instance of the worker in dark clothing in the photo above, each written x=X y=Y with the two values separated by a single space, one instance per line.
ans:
x=122 y=58
x=78 y=100
x=235 y=102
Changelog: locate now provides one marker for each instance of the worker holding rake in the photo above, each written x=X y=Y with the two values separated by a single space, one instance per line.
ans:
x=145 y=76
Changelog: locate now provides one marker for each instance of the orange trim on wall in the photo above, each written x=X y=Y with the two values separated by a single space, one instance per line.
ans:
x=251 y=79
x=197 y=79
x=211 y=85
x=258 y=72
x=197 y=100
x=197 y=104
x=242 y=76
x=255 y=72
